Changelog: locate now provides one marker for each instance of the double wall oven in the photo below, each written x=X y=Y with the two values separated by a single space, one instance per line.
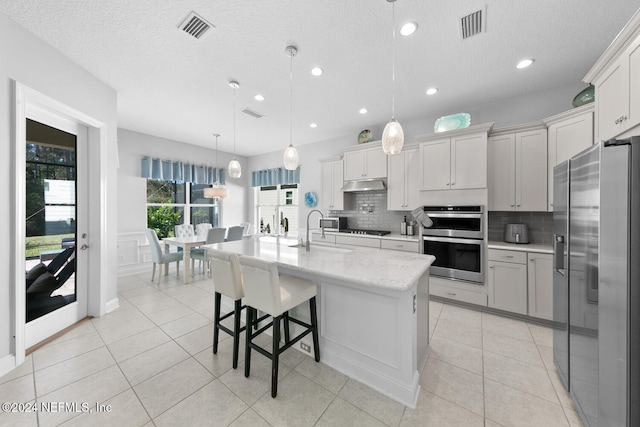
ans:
x=456 y=239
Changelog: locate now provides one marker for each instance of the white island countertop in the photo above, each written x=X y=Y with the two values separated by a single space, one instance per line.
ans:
x=389 y=270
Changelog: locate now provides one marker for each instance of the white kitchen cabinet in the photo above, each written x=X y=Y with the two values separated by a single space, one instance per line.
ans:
x=454 y=160
x=403 y=192
x=616 y=77
x=518 y=168
x=365 y=163
x=400 y=245
x=328 y=239
x=332 y=197
x=540 y=285
x=357 y=241
x=568 y=134
x=507 y=281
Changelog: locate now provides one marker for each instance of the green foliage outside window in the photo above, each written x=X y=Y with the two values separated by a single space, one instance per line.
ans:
x=163 y=220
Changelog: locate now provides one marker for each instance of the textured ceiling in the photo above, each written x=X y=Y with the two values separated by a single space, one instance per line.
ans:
x=174 y=86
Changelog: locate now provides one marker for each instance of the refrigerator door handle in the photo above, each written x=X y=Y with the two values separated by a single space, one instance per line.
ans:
x=558 y=253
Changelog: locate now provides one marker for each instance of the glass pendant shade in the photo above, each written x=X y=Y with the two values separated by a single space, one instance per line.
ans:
x=215 y=192
x=234 y=169
x=291 y=158
x=392 y=138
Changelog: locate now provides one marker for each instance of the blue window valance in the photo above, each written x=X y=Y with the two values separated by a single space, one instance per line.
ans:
x=276 y=176
x=169 y=170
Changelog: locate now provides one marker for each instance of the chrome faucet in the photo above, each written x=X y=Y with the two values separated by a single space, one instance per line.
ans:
x=306 y=245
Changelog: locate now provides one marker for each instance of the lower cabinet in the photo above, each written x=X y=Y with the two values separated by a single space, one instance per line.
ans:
x=540 y=281
x=508 y=286
x=405 y=245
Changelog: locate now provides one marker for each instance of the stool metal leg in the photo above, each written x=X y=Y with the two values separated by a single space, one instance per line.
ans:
x=275 y=356
x=247 y=349
x=314 y=324
x=236 y=332
x=216 y=322
x=285 y=316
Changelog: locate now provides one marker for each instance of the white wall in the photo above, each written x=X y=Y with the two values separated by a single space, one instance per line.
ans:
x=508 y=112
x=28 y=60
x=133 y=145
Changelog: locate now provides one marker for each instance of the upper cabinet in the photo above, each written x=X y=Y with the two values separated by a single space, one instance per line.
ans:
x=454 y=160
x=403 y=192
x=365 y=163
x=616 y=77
x=518 y=168
x=332 y=197
x=569 y=133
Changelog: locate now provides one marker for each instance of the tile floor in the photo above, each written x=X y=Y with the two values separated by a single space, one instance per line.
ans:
x=152 y=361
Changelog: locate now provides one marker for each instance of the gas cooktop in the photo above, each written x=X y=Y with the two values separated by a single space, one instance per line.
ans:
x=365 y=231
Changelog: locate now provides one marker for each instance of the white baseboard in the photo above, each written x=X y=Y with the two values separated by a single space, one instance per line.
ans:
x=112 y=305
x=7 y=364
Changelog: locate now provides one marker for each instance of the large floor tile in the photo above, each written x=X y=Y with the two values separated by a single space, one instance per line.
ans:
x=150 y=307
x=152 y=362
x=222 y=361
x=119 y=317
x=372 y=402
x=56 y=352
x=184 y=325
x=123 y=410
x=542 y=335
x=19 y=419
x=132 y=327
x=510 y=407
x=432 y=410
x=341 y=413
x=454 y=384
x=324 y=375
x=212 y=405
x=25 y=368
x=504 y=345
x=196 y=341
x=435 y=308
x=81 y=328
x=169 y=387
x=456 y=353
x=71 y=370
x=19 y=390
x=506 y=326
x=300 y=402
x=519 y=375
x=137 y=344
x=458 y=332
x=470 y=318
x=573 y=417
x=170 y=314
x=249 y=418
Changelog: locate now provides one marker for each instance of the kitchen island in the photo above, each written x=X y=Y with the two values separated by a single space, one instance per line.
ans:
x=373 y=308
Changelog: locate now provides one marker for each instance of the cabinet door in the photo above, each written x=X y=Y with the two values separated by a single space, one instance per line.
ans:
x=396 y=183
x=469 y=161
x=634 y=85
x=531 y=170
x=412 y=180
x=354 y=165
x=435 y=165
x=540 y=283
x=508 y=286
x=338 y=183
x=566 y=139
x=375 y=163
x=501 y=174
x=326 y=198
x=612 y=97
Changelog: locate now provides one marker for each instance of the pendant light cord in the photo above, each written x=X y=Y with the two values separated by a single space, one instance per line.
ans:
x=234 y=124
x=291 y=97
x=217 y=180
x=393 y=67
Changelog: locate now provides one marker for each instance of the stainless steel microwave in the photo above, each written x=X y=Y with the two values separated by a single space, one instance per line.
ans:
x=333 y=223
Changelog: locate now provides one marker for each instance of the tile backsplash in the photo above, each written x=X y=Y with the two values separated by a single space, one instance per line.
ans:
x=540 y=225
x=369 y=210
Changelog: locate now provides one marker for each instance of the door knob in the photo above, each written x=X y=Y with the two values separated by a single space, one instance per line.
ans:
x=84 y=247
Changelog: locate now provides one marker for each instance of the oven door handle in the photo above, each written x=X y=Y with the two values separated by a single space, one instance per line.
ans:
x=453 y=215
x=453 y=240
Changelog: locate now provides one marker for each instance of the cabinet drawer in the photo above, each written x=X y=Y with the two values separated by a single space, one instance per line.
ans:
x=358 y=241
x=398 y=245
x=507 y=256
x=328 y=238
x=458 y=294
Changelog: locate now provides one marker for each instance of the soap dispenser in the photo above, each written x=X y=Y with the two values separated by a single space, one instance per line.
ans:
x=403 y=226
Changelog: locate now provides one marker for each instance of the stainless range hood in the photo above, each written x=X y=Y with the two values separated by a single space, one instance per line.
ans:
x=364 y=185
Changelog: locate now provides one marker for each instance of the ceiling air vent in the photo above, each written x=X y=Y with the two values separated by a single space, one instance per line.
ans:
x=472 y=24
x=195 y=25
x=252 y=113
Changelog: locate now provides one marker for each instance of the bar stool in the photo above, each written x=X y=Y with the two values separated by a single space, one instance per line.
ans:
x=275 y=295
x=227 y=280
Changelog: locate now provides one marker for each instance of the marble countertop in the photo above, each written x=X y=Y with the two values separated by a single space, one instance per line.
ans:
x=389 y=270
x=522 y=247
x=392 y=236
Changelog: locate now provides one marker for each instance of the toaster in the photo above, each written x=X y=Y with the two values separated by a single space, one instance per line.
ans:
x=516 y=233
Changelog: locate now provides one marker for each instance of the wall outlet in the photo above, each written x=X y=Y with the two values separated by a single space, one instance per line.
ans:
x=305 y=347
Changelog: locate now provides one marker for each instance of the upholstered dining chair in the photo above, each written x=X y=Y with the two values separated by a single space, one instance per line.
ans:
x=184 y=230
x=235 y=233
x=246 y=228
x=214 y=235
x=202 y=229
x=160 y=258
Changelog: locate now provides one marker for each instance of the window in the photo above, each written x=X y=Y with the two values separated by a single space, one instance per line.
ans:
x=171 y=203
x=277 y=209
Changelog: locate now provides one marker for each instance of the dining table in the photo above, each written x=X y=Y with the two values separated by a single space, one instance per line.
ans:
x=186 y=243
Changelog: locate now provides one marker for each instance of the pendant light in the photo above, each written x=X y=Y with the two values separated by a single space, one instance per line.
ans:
x=291 y=154
x=393 y=135
x=234 y=168
x=217 y=191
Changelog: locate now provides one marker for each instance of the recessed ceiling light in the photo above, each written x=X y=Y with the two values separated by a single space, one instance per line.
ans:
x=259 y=97
x=317 y=71
x=408 y=28
x=432 y=91
x=363 y=111
x=524 y=63
x=314 y=125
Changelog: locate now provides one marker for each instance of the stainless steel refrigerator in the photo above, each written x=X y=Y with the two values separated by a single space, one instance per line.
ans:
x=597 y=281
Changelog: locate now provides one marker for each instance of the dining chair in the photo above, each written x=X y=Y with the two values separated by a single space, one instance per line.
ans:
x=214 y=235
x=202 y=229
x=235 y=233
x=184 y=230
x=246 y=228
x=160 y=258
